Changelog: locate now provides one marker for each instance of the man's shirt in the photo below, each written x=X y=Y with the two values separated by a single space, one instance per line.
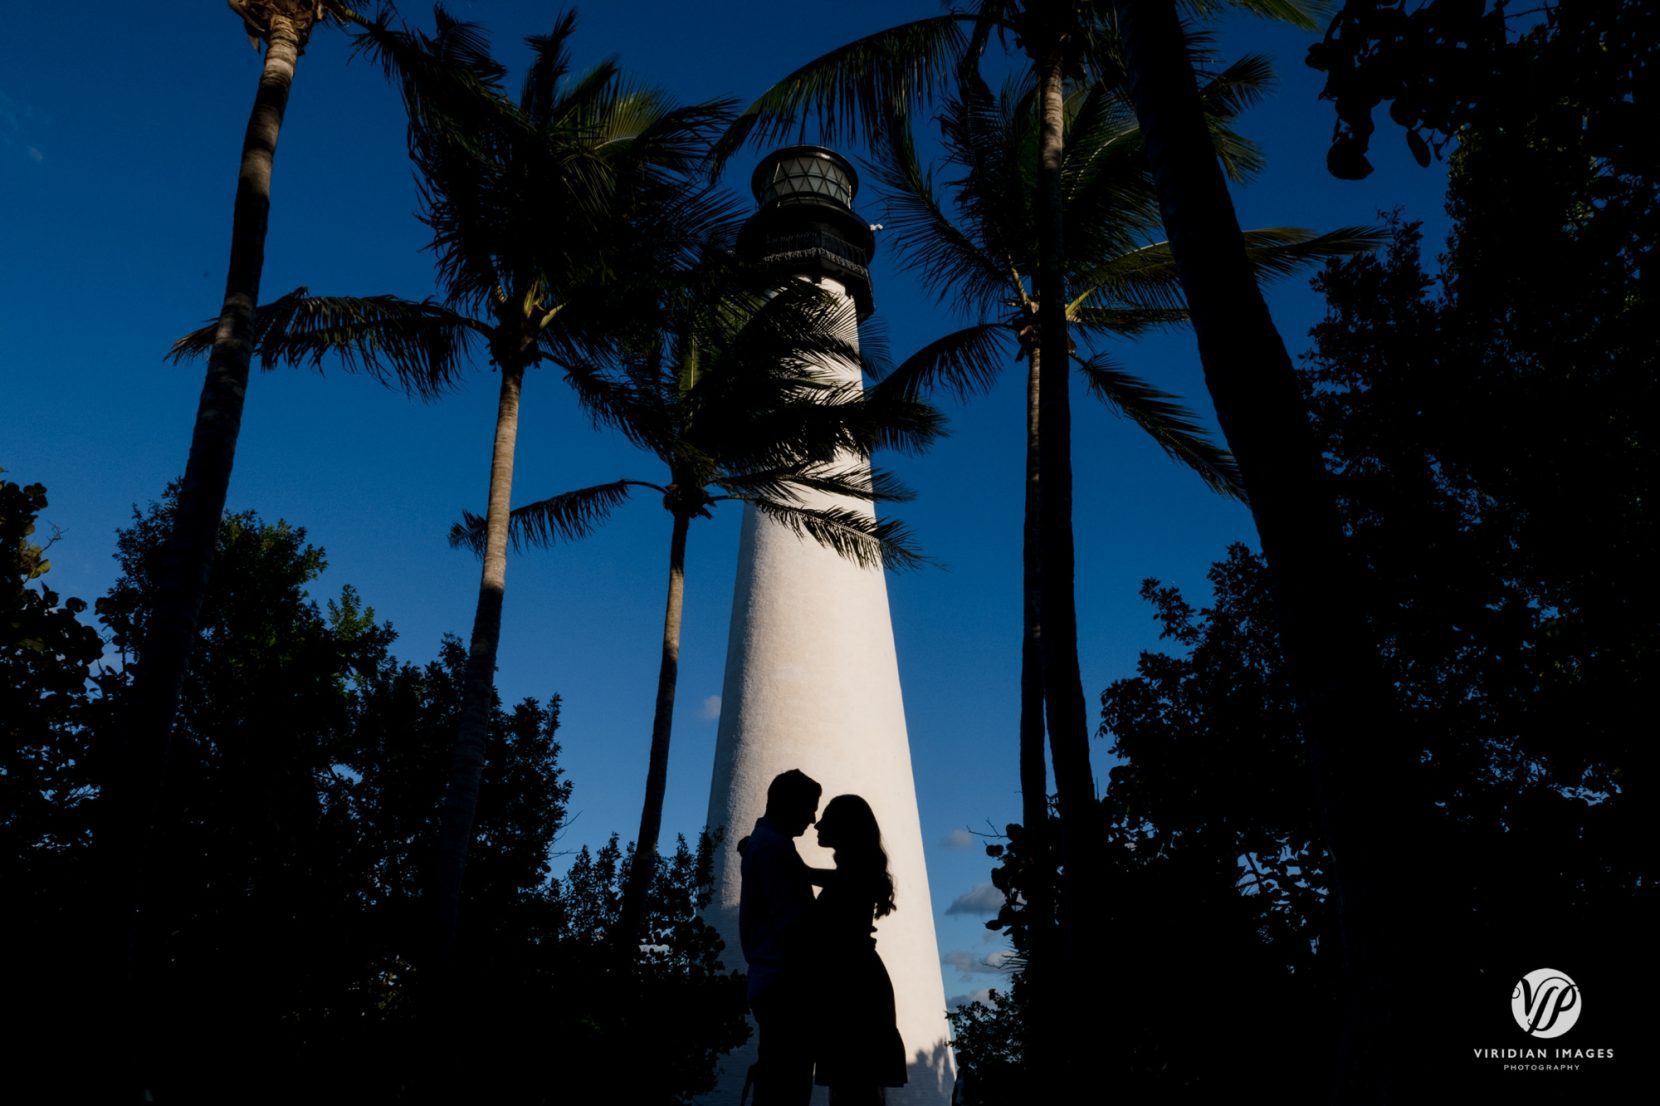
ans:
x=774 y=902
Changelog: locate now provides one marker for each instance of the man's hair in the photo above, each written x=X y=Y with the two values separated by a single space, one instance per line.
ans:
x=791 y=791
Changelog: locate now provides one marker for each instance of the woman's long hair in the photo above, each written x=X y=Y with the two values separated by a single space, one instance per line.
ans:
x=859 y=852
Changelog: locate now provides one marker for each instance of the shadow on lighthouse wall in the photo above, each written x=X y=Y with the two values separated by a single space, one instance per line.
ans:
x=929 y=1075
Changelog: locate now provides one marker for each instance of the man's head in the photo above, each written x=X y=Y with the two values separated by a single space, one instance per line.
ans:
x=792 y=801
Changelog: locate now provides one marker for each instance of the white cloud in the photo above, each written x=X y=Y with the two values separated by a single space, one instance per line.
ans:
x=709 y=709
x=982 y=995
x=15 y=122
x=982 y=901
x=971 y=964
x=958 y=839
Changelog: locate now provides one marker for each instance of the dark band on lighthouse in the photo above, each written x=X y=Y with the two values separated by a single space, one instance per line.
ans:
x=806 y=225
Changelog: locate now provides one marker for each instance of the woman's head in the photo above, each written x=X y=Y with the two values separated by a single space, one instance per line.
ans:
x=848 y=826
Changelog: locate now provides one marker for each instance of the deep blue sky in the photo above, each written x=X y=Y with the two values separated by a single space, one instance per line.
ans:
x=120 y=127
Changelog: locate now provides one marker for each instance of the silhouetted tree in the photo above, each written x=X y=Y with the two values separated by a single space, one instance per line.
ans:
x=1484 y=432
x=1361 y=765
x=56 y=916
x=138 y=789
x=1447 y=67
x=311 y=765
x=283 y=26
x=629 y=996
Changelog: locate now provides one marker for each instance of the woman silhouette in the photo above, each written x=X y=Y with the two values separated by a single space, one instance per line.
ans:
x=858 y=1046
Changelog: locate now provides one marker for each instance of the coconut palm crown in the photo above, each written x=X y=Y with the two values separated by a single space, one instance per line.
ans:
x=974 y=243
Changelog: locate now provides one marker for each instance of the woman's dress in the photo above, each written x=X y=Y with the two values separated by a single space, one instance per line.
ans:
x=859 y=1042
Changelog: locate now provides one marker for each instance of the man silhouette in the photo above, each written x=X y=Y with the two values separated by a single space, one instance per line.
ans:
x=775 y=900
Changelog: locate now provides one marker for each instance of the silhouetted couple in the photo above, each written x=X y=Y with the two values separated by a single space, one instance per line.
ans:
x=816 y=986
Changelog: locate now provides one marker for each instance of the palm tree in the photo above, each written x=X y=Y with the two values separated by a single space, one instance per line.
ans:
x=283 y=26
x=1362 y=769
x=134 y=792
x=1118 y=285
x=864 y=86
x=543 y=210
x=733 y=396
x=538 y=211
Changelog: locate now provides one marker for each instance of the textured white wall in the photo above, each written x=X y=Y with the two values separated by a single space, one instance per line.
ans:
x=812 y=682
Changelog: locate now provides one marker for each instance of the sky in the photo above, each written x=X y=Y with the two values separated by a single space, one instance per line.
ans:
x=120 y=127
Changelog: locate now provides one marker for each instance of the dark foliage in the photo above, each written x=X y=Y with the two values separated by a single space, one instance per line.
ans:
x=990 y=1049
x=47 y=776
x=1486 y=434
x=303 y=816
x=1447 y=66
x=1214 y=891
x=47 y=657
x=632 y=1033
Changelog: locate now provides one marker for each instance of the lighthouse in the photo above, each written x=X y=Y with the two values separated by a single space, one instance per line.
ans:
x=812 y=680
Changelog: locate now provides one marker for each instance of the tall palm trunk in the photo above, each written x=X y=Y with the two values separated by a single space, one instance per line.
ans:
x=182 y=579
x=135 y=792
x=1062 y=685
x=657 y=770
x=1034 y=773
x=1361 y=767
x=478 y=684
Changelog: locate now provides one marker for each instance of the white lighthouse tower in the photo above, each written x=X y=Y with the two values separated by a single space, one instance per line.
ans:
x=812 y=681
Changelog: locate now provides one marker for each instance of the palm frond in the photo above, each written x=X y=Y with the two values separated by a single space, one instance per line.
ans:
x=1307 y=15
x=797 y=337
x=1283 y=251
x=561 y=518
x=619 y=404
x=550 y=62
x=449 y=80
x=670 y=138
x=585 y=97
x=1143 y=278
x=421 y=346
x=989 y=138
x=950 y=262
x=1103 y=139
x=965 y=363
x=1246 y=82
x=850 y=533
x=856 y=87
x=1110 y=201
x=1225 y=96
x=1123 y=322
x=1147 y=277
x=904 y=424
x=861 y=482
x=1174 y=427
x=876 y=355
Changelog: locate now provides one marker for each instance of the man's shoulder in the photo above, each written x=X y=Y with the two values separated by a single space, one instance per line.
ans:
x=767 y=846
